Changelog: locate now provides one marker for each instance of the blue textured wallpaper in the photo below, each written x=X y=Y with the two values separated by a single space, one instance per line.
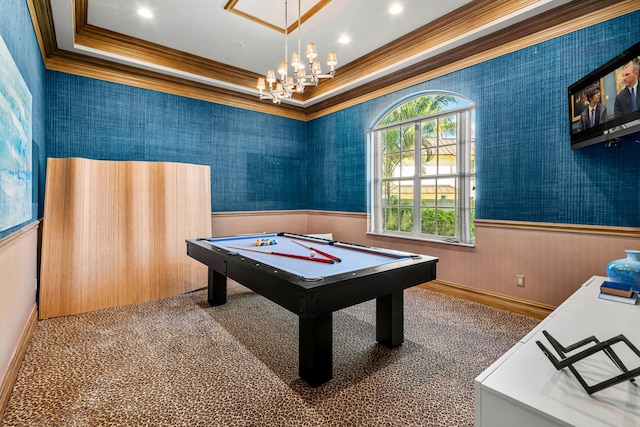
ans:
x=258 y=161
x=17 y=32
x=526 y=170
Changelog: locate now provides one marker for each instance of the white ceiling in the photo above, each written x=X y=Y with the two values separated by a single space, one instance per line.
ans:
x=206 y=29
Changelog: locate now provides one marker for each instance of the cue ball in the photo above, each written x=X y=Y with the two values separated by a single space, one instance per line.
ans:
x=312 y=254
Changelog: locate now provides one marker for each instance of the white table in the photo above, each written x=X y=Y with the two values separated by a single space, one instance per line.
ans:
x=523 y=388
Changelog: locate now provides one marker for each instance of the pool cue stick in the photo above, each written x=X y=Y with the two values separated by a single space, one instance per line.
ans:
x=333 y=257
x=307 y=258
x=370 y=250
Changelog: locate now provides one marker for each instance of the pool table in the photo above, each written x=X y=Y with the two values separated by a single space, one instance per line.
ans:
x=313 y=286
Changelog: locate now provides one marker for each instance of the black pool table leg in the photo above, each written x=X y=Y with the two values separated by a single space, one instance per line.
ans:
x=390 y=319
x=217 y=288
x=315 y=359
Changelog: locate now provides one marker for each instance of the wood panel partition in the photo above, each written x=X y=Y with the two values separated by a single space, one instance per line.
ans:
x=114 y=233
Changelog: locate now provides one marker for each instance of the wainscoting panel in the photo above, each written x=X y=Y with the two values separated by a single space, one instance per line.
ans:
x=232 y=223
x=114 y=233
x=18 y=269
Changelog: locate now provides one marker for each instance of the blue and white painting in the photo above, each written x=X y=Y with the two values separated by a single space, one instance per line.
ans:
x=15 y=144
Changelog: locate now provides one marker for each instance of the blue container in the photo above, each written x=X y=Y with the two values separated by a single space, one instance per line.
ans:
x=626 y=270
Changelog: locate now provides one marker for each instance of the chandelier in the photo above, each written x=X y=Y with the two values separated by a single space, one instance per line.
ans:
x=301 y=76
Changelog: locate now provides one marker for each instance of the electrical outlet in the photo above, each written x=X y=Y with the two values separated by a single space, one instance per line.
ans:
x=520 y=280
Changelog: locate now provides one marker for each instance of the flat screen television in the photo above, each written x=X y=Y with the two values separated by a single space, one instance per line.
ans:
x=612 y=118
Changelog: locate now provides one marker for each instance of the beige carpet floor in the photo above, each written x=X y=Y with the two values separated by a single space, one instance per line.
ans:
x=179 y=362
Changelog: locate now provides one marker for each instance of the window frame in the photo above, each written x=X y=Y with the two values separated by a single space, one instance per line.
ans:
x=464 y=175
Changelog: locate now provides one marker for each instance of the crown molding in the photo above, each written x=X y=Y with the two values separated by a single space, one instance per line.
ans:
x=561 y=20
x=554 y=23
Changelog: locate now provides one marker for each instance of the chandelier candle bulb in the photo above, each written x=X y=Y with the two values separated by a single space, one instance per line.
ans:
x=316 y=68
x=332 y=59
x=295 y=61
x=311 y=51
x=271 y=76
x=282 y=69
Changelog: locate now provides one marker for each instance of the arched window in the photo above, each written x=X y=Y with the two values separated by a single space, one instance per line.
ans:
x=422 y=168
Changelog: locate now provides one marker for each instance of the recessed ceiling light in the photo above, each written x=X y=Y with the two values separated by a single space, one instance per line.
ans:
x=145 y=13
x=344 y=39
x=395 y=8
x=237 y=44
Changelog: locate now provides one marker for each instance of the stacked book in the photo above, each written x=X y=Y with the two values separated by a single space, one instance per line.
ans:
x=618 y=292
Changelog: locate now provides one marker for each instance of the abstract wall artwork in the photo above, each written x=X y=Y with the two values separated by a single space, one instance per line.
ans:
x=15 y=144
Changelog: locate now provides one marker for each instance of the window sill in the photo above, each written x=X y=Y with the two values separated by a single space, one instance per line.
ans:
x=419 y=239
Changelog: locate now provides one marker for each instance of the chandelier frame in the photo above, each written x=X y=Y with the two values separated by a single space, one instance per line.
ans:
x=303 y=75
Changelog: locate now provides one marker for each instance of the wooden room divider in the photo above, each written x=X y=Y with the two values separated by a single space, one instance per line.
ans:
x=114 y=233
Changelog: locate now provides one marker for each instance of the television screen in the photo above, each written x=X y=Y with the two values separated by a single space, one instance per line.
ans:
x=601 y=107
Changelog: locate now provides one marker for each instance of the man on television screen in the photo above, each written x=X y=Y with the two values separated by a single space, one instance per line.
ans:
x=594 y=113
x=627 y=100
